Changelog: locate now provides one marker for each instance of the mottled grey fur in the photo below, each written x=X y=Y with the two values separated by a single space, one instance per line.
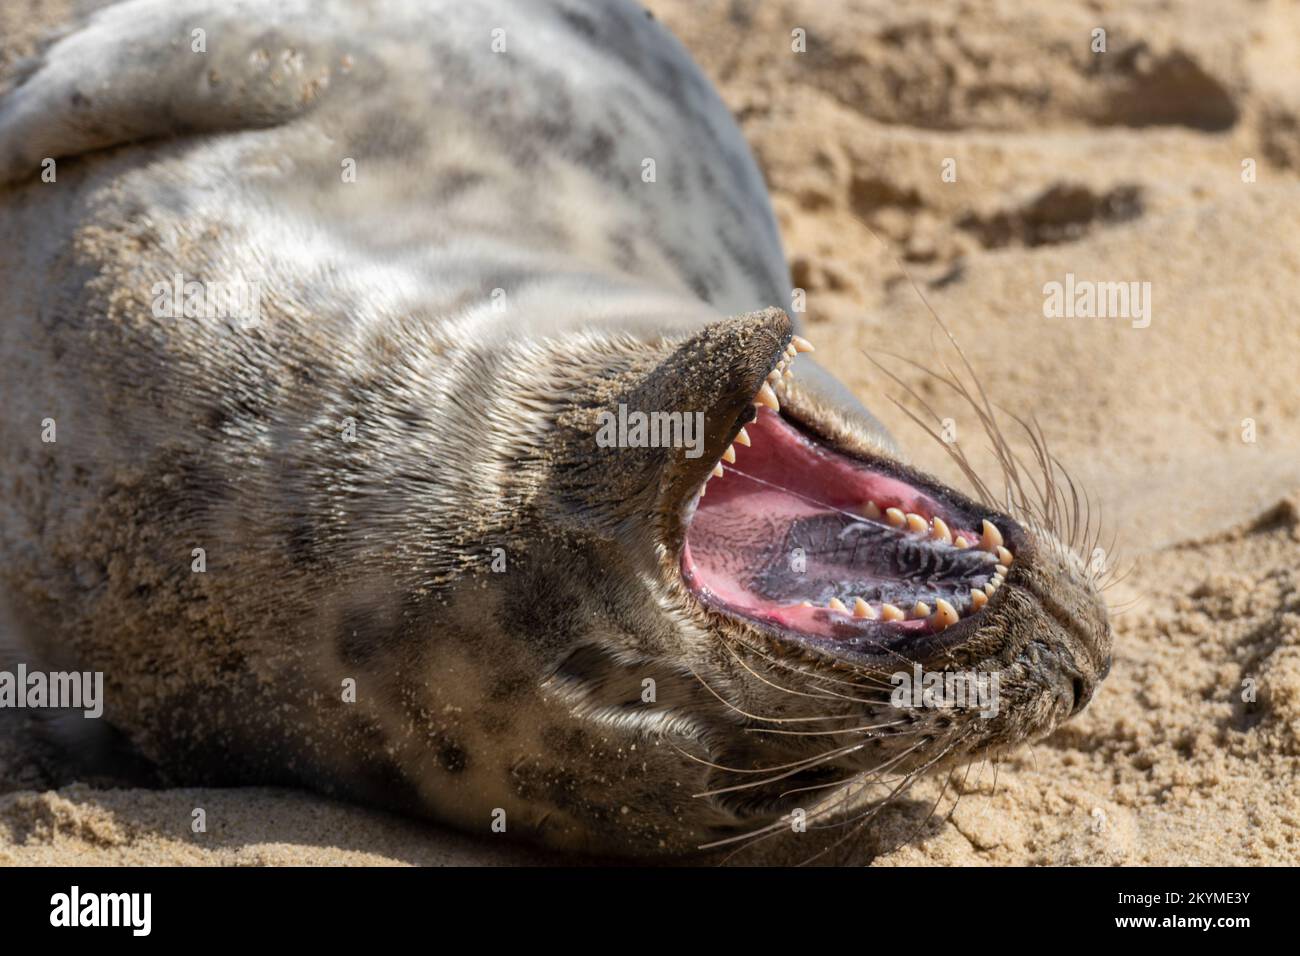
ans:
x=474 y=412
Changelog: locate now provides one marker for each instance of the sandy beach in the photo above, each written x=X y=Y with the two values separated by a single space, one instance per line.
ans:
x=962 y=157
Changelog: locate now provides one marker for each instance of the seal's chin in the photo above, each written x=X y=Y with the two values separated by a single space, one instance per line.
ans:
x=837 y=550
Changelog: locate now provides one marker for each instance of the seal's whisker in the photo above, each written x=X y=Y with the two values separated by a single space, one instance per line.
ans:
x=856 y=824
x=933 y=808
x=829 y=693
x=877 y=775
x=826 y=696
x=906 y=780
x=1005 y=462
x=983 y=410
x=749 y=716
x=777 y=826
x=1121 y=609
x=812 y=676
x=829 y=733
x=959 y=456
x=829 y=785
x=955 y=452
x=965 y=780
x=788 y=770
x=1044 y=503
x=1046 y=494
x=1074 y=505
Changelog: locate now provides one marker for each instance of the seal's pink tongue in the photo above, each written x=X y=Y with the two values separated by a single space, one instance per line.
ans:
x=796 y=534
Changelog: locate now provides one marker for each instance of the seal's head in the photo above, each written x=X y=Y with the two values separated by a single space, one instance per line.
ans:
x=756 y=606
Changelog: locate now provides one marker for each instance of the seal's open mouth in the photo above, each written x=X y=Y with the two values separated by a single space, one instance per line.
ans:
x=796 y=535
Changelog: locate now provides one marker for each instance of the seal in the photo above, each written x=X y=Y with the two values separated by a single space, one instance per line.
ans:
x=401 y=403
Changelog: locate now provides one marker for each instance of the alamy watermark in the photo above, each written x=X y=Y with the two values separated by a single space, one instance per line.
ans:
x=1086 y=299
x=637 y=429
x=132 y=911
x=239 y=301
x=961 y=690
x=78 y=690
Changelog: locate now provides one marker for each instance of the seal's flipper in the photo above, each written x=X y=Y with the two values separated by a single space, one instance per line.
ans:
x=151 y=68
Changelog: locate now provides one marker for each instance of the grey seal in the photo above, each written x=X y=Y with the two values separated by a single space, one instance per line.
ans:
x=402 y=403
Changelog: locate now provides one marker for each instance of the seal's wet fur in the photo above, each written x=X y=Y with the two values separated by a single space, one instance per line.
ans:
x=417 y=401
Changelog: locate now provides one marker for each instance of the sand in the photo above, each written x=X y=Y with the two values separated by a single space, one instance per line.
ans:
x=1118 y=166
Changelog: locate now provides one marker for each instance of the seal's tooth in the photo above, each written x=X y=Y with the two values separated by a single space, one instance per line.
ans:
x=991 y=539
x=729 y=456
x=862 y=609
x=835 y=604
x=1004 y=557
x=891 y=613
x=742 y=438
x=916 y=523
x=871 y=510
x=774 y=376
x=801 y=344
x=767 y=397
x=939 y=531
x=805 y=603
x=978 y=598
x=791 y=351
x=788 y=373
x=961 y=542
x=945 y=615
x=717 y=471
x=992 y=586
x=920 y=609
x=895 y=517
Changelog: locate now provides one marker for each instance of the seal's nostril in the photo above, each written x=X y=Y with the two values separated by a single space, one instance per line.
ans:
x=1082 y=694
x=1105 y=668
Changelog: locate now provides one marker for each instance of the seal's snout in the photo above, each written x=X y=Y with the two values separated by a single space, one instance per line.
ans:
x=1053 y=635
x=650 y=421
x=721 y=375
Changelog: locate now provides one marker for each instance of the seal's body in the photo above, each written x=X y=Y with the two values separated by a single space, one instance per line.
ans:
x=311 y=314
